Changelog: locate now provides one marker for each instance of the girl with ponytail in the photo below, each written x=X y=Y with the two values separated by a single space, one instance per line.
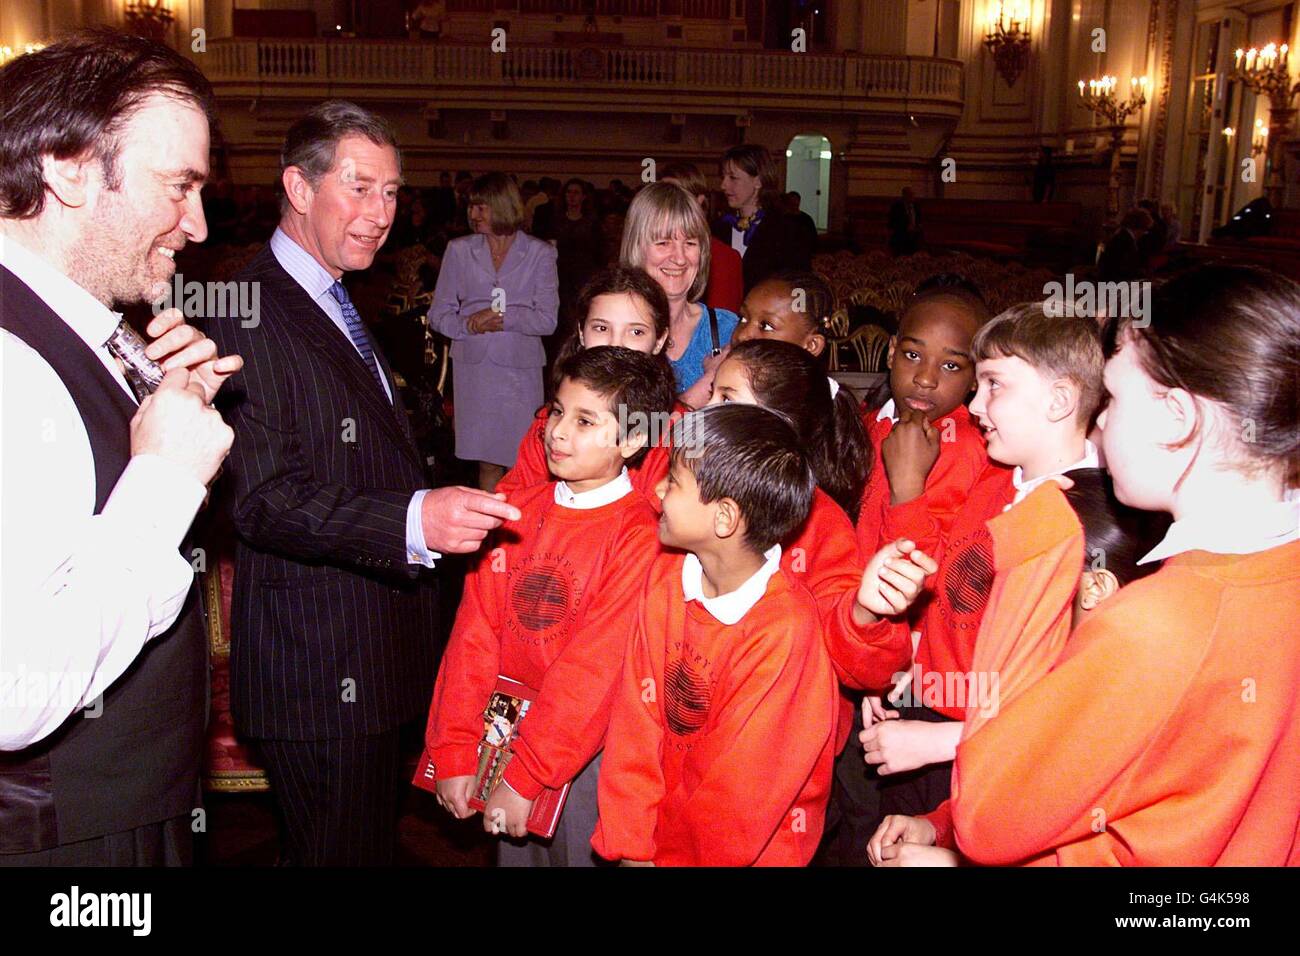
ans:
x=823 y=553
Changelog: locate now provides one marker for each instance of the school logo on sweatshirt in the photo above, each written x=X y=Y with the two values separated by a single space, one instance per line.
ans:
x=969 y=579
x=544 y=596
x=688 y=690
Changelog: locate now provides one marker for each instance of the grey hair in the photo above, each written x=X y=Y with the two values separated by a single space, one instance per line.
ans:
x=312 y=140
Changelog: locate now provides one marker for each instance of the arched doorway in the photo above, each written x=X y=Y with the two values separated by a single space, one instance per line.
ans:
x=808 y=173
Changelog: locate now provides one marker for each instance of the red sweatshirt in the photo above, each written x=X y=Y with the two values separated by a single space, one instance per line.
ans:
x=721 y=740
x=927 y=520
x=550 y=604
x=1166 y=733
x=951 y=616
x=531 y=469
x=823 y=556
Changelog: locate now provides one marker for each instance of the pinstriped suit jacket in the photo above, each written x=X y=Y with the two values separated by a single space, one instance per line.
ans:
x=332 y=630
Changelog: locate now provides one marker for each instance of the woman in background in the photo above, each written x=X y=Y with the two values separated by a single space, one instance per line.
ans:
x=497 y=296
x=666 y=235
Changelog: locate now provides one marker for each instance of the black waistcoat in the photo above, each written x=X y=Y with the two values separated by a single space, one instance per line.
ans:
x=138 y=761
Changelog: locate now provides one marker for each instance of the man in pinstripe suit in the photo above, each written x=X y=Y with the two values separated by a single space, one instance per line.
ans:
x=334 y=610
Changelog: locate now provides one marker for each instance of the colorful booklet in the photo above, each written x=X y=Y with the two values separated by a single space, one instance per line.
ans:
x=505 y=709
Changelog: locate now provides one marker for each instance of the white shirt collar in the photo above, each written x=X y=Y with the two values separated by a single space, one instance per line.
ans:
x=729 y=608
x=93 y=321
x=300 y=264
x=888 y=410
x=1023 y=488
x=1257 y=530
x=606 y=494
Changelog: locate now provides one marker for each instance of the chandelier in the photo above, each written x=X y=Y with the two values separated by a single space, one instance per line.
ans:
x=149 y=18
x=1008 y=39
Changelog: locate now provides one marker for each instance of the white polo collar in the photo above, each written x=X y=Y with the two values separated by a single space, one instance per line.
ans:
x=606 y=494
x=729 y=608
x=888 y=410
x=1258 y=529
x=1023 y=488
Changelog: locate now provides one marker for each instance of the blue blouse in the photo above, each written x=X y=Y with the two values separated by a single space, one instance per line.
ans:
x=690 y=366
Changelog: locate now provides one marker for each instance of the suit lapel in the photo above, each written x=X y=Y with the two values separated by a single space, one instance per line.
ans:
x=321 y=334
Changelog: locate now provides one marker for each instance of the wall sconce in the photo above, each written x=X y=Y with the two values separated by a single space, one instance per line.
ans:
x=1265 y=73
x=1008 y=38
x=1259 y=142
x=1099 y=97
x=149 y=18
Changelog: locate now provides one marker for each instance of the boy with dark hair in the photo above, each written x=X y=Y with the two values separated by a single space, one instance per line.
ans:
x=722 y=733
x=550 y=606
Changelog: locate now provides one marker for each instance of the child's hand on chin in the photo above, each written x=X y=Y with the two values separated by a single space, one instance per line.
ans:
x=894 y=578
x=908 y=453
x=507 y=812
x=453 y=795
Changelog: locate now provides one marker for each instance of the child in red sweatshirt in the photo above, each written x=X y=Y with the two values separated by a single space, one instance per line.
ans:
x=927 y=456
x=549 y=605
x=928 y=452
x=1039 y=385
x=722 y=734
x=822 y=551
x=620 y=306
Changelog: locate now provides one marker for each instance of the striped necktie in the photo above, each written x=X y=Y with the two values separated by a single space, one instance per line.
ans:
x=357 y=331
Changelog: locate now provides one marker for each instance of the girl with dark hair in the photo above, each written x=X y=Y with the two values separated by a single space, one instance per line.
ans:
x=789 y=379
x=620 y=306
x=1192 y=672
x=788 y=306
x=824 y=554
x=767 y=238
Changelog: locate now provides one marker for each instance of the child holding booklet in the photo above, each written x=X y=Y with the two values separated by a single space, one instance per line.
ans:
x=549 y=605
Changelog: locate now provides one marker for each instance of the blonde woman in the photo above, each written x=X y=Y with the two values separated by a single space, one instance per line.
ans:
x=667 y=236
x=497 y=296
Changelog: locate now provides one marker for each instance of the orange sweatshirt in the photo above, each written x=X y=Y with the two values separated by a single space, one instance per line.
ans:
x=550 y=604
x=954 y=607
x=1166 y=733
x=823 y=556
x=531 y=469
x=721 y=740
x=1037 y=562
x=927 y=520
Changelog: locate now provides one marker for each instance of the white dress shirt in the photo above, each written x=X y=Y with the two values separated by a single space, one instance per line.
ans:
x=1023 y=487
x=888 y=410
x=316 y=282
x=80 y=593
x=729 y=608
x=606 y=494
x=1237 y=532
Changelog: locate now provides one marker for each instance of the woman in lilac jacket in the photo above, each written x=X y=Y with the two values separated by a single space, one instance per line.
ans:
x=497 y=295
